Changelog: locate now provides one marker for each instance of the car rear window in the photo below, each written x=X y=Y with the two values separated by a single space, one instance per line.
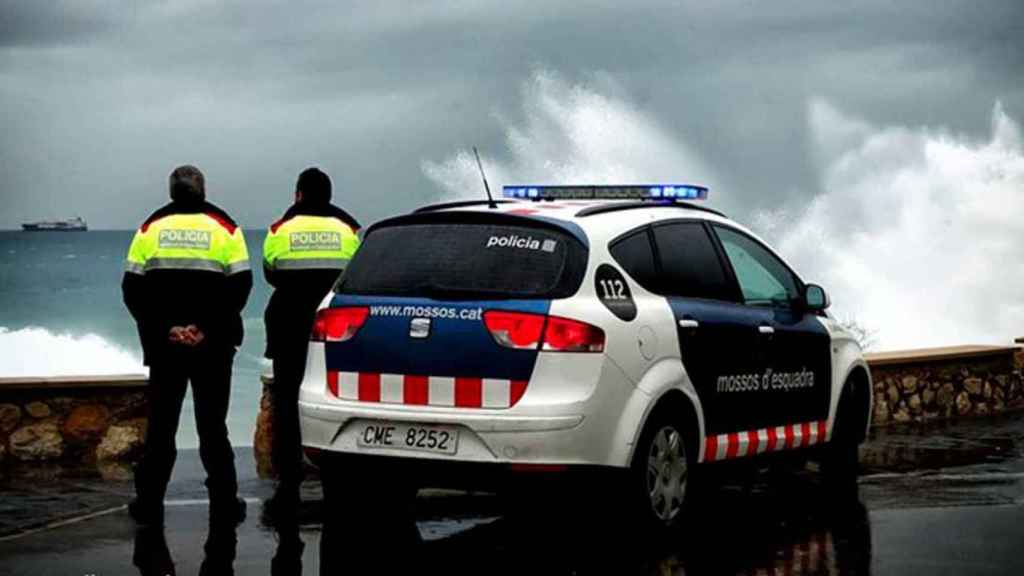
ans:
x=460 y=260
x=634 y=253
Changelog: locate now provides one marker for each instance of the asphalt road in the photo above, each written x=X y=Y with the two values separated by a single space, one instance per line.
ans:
x=941 y=500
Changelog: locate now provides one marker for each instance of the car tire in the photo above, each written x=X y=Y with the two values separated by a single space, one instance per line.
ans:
x=661 y=474
x=840 y=462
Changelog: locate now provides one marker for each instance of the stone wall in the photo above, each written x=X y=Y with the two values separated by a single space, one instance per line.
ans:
x=73 y=421
x=262 y=440
x=946 y=383
x=263 y=436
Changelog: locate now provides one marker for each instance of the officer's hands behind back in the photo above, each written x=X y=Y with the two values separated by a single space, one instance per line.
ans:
x=189 y=335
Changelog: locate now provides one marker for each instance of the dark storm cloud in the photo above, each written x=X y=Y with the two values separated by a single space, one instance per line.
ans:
x=42 y=23
x=99 y=101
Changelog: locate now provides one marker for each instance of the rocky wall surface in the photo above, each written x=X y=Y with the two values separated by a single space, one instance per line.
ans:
x=262 y=441
x=94 y=425
x=263 y=436
x=927 y=390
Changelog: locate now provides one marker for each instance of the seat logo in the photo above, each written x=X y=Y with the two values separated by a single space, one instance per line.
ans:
x=314 y=241
x=189 y=239
x=419 y=328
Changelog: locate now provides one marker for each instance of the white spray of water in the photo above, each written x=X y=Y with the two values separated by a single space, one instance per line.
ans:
x=574 y=134
x=39 y=352
x=917 y=233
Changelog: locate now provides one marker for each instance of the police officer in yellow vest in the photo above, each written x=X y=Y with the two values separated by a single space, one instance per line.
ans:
x=303 y=255
x=186 y=281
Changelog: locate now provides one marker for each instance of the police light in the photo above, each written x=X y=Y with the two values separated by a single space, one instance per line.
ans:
x=633 y=192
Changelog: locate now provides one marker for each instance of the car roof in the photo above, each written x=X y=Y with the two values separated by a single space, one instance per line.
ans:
x=601 y=220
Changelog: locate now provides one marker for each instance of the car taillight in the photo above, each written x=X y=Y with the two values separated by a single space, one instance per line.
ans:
x=338 y=324
x=564 y=335
x=520 y=330
x=527 y=331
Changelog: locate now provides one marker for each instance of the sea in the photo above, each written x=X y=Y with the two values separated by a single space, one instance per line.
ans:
x=61 y=313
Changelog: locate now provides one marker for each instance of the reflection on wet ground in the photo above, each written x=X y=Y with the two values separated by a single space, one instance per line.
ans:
x=152 y=557
x=795 y=528
x=993 y=443
x=949 y=499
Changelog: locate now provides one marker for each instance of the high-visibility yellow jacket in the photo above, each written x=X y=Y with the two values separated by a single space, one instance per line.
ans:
x=303 y=255
x=187 y=264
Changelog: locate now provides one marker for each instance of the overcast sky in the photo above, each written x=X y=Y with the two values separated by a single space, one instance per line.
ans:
x=100 y=100
x=876 y=143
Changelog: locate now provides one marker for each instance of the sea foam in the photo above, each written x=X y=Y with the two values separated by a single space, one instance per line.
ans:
x=37 y=351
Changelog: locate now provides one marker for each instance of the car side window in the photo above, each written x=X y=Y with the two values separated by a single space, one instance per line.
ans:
x=635 y=255
x=690 y=266
x=764 y=280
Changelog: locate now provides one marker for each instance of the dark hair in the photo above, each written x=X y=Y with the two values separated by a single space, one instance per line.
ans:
x=315 y=186
x=187 y=184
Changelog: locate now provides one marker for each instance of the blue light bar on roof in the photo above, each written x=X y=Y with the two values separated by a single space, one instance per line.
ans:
x=634 y=192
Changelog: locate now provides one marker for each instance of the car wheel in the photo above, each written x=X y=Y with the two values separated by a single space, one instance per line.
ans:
x=840 y=462
x=661 y=473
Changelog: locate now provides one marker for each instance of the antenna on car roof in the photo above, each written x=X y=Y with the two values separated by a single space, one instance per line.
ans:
x=490 y=199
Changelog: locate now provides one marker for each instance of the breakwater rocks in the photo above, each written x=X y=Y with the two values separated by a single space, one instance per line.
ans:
x=92 y=421
x=946 y=383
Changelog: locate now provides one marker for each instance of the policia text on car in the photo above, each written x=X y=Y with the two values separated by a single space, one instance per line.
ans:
x=303 y=255
x=186 y=282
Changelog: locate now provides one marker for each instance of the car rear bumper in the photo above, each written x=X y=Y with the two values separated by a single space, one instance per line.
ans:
x=492 y=438
x=556 y=426
x=342 y=413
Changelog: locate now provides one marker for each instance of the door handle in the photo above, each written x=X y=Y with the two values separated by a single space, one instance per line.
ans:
x=689 y=323
x=766 y=330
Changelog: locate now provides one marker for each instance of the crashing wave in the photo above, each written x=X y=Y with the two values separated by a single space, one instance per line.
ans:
x=38 y=352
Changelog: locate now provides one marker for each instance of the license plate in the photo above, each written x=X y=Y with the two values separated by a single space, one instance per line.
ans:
x=418 y=437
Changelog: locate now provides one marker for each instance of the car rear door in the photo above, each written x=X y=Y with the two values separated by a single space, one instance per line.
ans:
x=796 y=386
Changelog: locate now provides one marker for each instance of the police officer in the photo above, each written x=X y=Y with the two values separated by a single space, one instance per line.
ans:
x=303 y=255
x=186 y=281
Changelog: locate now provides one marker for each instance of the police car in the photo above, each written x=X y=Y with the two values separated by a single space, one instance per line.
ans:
x=579 y=327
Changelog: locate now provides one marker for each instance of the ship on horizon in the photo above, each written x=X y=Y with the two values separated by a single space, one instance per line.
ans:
x=76 y=224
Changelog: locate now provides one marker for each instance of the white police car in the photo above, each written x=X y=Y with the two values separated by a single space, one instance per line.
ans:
x=562 y=329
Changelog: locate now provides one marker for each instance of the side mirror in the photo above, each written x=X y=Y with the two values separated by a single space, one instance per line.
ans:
x=815 y=298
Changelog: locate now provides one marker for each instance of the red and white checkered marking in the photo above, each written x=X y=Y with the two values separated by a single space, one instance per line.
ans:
x=753 y=442
x=416 y=390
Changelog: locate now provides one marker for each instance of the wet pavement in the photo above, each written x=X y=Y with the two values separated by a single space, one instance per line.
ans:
x=945 y=499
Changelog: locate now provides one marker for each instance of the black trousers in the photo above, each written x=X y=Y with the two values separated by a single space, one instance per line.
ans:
x=209 y=371
x=289 y=368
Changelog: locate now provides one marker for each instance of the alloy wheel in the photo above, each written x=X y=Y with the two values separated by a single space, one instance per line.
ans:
x=666 y=473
